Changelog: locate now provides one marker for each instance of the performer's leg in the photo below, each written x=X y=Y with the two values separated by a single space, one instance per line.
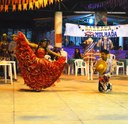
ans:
x=109 y=87
x=108 y=84
x=100 y=87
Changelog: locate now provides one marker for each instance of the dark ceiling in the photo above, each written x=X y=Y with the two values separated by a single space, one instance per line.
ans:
x=69 y=8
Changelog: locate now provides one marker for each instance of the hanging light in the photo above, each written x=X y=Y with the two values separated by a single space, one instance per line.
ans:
x=24 y=4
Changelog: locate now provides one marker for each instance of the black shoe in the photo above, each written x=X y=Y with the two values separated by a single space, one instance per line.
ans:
x=100 y=87
x=109 y=86
x=8 y=77
x=14 y=79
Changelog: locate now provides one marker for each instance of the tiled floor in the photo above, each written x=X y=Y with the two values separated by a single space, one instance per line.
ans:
x=74 y=100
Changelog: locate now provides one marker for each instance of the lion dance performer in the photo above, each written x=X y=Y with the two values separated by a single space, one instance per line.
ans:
x=104 y=67
x=37 y=71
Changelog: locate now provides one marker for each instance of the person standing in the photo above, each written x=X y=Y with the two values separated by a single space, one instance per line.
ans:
x=87 y=43
x=4 y=47
x=12 y=48
x=105 y=43
x=4 y=54
x=12 y=51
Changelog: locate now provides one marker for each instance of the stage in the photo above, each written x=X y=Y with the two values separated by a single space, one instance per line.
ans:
x=74 y=100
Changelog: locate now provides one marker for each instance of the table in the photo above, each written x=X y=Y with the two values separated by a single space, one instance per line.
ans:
x=11 y=64
x=5 y=64
x=14 y=67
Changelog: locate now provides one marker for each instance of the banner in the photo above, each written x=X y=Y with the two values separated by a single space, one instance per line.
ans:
x=96 y=31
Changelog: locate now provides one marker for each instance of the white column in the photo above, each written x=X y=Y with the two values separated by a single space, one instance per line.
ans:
x=121 y=41
x=58 y=29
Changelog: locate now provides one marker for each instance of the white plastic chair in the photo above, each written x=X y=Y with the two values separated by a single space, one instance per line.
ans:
x=79 y=63
x=127 y=70
x=119 y=65
x=5 y=64
x=112 y=56
x=64 y=53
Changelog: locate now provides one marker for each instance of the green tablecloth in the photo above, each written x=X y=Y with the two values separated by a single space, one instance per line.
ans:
x=70 y=61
